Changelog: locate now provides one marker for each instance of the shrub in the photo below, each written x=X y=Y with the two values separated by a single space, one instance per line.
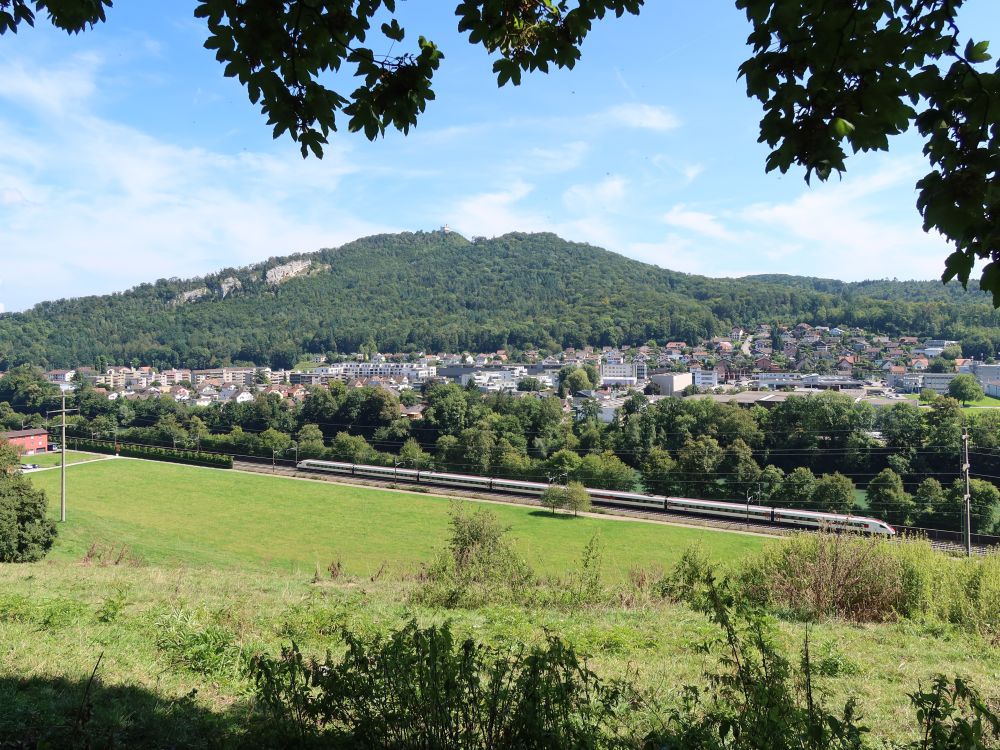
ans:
x=867 y=579
x=587 y=578
x=479 y=564
x=26 y=533
x=831 y=575
x=759 y=700
x=423 y=688
x=203 y=647
x=113 y=605
x=686 y=581
x=155 y=453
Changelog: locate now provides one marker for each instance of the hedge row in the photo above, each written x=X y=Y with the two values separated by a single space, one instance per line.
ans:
x=153 y=453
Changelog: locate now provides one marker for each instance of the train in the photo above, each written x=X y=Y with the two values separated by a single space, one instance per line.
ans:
x=803 y=519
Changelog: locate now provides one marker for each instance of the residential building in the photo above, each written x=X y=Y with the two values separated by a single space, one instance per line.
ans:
x=938 y=381
x=174 y=376
x=619 y=373
x=230 y=375
x=986 y=373
x=494 y=381
x=705 y=378
x=345 y=371
x=28 y=442
x=60 y=377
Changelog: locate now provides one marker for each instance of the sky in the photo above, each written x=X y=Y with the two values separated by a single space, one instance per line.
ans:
x=126 y=156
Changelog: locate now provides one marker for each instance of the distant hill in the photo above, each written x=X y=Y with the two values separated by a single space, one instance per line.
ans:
x=916 y=291
x=439 y=291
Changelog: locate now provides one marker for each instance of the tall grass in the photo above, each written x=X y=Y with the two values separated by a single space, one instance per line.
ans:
x=862 y=579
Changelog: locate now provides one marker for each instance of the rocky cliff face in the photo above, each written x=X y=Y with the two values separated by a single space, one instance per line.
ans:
x=287 y=271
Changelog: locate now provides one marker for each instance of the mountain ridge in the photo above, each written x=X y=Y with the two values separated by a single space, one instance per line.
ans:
x=442 y=292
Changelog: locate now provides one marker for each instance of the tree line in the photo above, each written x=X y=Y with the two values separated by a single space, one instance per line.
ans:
x=808 y=452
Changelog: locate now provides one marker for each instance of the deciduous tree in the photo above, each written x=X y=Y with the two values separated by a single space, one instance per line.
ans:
x=965 y=388
x=888 y=499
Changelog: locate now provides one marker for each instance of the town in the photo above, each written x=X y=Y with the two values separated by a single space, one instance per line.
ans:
x=761 y=366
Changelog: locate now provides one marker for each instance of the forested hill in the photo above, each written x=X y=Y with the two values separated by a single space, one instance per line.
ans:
x=916 y=291
x=442 y=292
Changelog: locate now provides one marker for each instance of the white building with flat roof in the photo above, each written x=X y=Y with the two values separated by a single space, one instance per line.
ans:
x=671 y=383
x=938 y=381
x=705 y=378
x=619 y=373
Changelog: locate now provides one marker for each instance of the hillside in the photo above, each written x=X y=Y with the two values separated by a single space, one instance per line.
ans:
x=148 y=616
x=441 y=291
x=913 y=290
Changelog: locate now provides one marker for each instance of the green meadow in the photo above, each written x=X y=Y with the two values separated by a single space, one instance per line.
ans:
x=48 y=460
x=174 y=515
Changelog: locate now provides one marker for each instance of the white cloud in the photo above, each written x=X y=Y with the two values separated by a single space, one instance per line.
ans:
x=699 y=222
x=51 y=90
x=11 y=197
x=642 y=116
x=560 y=158
x=675 y=252
x=598 y=197
x=100 y=206
x=691 y=171
x=495 y=213
x=850 y=229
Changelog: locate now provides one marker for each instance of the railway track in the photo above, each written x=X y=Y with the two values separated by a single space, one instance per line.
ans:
x=512 y=499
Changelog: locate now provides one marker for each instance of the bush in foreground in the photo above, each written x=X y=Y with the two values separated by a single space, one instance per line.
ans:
x=423 y=688
x=479 y=565
x=867 y=579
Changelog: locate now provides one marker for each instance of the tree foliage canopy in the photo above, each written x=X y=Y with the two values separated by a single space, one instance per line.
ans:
x=26 y=532
x=833 y=78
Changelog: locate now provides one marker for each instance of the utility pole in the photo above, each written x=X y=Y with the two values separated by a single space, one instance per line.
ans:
x=967 y=498
x=62 y=462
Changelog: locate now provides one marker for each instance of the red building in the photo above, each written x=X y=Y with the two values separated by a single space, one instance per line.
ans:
x=27 y=441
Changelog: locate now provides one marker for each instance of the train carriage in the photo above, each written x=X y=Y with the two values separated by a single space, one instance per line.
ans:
x=803 y=519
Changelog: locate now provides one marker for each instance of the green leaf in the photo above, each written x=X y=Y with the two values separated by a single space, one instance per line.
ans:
x=975 y=52
x=393 y=30
x=990 y=281
x=841 y=127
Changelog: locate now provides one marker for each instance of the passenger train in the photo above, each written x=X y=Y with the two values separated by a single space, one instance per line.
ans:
x=806 y=519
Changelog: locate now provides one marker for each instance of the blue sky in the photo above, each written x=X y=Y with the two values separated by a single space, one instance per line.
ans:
x=126 y=156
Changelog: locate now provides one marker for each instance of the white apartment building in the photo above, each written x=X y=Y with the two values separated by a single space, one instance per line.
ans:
x=938 y=381
x=705 y=378
x=494 y=380
x=173 y=377
x=619 y=373
x=412 y=371
x=228 y=375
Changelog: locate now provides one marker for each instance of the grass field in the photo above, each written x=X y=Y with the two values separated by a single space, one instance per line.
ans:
x=171 y=514
x=225 y=569
x=53 y=459
x=985 y=401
